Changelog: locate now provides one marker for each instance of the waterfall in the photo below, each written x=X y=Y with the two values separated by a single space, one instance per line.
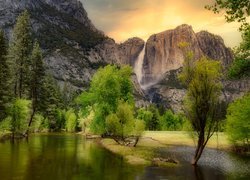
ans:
x=139 y=65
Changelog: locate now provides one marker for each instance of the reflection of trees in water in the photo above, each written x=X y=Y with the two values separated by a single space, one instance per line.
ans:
x=198 y=173
x=70 y=157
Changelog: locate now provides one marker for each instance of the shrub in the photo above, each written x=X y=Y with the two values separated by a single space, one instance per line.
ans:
x=19 y=113
x=238 y=121
x=71 y=121
x=37 y=123
x=122 y=126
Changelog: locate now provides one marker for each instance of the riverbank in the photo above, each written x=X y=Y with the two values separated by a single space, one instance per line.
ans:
x=145 y=153
x=217 y=141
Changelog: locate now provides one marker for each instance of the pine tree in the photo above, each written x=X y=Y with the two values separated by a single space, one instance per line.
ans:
x=5 y=94
x=51 y=99
x=19 y=55
x=37 y=79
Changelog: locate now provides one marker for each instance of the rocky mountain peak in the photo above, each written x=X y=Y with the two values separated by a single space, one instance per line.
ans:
x=163 y=53
x=213 y=47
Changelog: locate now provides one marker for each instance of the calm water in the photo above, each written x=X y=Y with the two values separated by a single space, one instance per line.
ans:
x=59 y=157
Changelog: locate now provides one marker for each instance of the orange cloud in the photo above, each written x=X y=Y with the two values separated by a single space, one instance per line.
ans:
x=143 y=18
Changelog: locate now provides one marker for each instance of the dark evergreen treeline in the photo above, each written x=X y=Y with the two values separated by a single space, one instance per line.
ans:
x=27 y=92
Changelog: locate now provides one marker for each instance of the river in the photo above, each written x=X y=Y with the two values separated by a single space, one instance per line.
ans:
x=67 y=156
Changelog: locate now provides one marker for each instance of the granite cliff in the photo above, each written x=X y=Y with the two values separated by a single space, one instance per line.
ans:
x=164 y=54
x=74 y=49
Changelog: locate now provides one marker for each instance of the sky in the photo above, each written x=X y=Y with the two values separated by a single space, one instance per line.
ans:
x=124 y=19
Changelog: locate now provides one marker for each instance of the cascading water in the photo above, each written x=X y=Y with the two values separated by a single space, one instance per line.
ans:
x=139 y=65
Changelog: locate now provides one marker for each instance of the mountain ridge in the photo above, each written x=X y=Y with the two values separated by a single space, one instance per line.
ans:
x=74 y=49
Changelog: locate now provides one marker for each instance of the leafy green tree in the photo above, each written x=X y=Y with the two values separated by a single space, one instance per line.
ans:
x=170 y=121
x=146 y=116
x=37 y=79
x=71 y=121
x=108 y=86
x=237 y=10
x=5 y=93
x=19 y=113
x=19 y=55
x=122 y=125
x=154 y=124
x=240 y=67
x=238 y=121
x=202 y=79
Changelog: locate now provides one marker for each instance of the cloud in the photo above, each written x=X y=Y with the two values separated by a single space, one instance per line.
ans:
x=122 y=19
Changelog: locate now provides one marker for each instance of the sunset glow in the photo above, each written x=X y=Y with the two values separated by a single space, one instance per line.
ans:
x=123 y=19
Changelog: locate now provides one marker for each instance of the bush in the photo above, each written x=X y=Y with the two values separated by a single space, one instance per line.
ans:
x=71 y=121
x=5 y=126
x=122 y=126
x=60 y=119
x=238 y=121
x=239 y=68
x=19 y=113
x=36 y=125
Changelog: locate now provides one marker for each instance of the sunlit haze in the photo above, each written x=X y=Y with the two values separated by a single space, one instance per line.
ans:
x=123 y=19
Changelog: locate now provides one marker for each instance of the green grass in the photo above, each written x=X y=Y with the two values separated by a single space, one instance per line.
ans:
x=219 y=140
x=144 y=153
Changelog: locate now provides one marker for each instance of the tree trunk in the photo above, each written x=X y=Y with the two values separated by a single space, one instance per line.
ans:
x=199 y=149
x=31 y=119
x=136 y=141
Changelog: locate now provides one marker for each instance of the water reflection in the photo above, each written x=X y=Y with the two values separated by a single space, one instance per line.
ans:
x=72 y=157
x=60 y=157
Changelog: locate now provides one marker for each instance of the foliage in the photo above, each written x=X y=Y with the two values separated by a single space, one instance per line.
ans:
x=51 y=100
x=122 y=124
x=5 y=93
x=19 y=56
x=239 y=68
x=108 y=86
x=60 y=119
x=235 y=10
x=154 y=124
x=203 y=90
x=71 y=121
x=68 y=95
x=37 y=124
x=5 y=125
x=146 y=116
x=238 y=121
x=38 y=75
x=171 y=122
x=85 y=117
x=19 y=113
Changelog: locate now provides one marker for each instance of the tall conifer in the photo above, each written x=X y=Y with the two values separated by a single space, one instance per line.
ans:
x=5 y=93
x=19 y=55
